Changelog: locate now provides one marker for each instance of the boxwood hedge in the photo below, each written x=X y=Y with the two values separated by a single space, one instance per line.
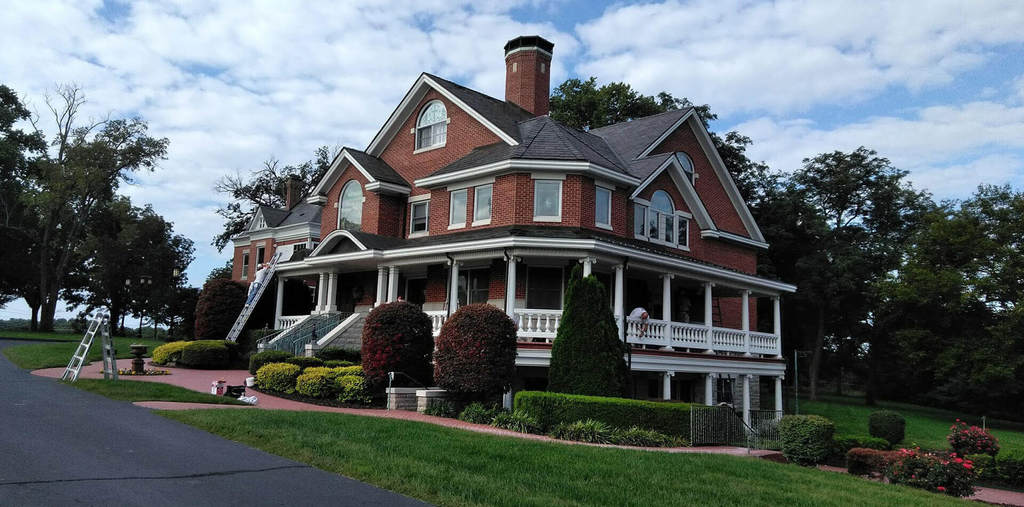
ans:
x=552 y=409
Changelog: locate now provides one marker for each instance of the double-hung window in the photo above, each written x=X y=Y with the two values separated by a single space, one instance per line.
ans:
x=482 y=204
x=245 y=265
x=432 y=126
x=547 y=200
x=419 y=216
x=457 y=211
x=603 y=207
x=658 y=221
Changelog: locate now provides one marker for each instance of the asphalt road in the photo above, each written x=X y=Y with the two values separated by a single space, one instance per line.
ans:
x=61 y=445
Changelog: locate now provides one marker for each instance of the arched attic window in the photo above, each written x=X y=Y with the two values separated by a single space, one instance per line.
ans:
x=658 y=221
x=350 y=206
x=432 y=126
x=687 y=163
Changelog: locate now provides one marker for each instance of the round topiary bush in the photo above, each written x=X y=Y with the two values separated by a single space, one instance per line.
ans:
x=278 y=377
x=168 y=352
x=476 y=352
x=887 y=424
x=256 y=361
x=806 y=439
x=587 y=357
x=219 y=303
x=353 y=389
x=209 y=354
x=397 y=337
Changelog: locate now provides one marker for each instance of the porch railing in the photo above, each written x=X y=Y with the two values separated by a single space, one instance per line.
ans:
x=660 y=333
x=538 y=325
x=295 y=338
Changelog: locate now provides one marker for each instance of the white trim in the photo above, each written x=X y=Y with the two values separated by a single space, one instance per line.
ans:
x=333 y=234
x=728 y=236
x=547 y=218
x=489 y=180
x=418 y=198
x=547 y=176
x=477 y=223
x=608 y=224
x=334 y=172
x=411 y=98
x=452 y=227
x=452 y=224
x=685 y=187
x=510 y=165
x=317 y=199
x=431 y=147
x=377 y=186
x=528 y=48
x=664 y=135
x=412 y=218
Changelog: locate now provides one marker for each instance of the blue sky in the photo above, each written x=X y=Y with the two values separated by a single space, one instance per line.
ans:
x=937 y=87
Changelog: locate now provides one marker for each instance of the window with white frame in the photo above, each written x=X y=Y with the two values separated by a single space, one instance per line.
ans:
x=419 y=217
x=658 y=221
x=245 y=265
x=687 y=164
x=482 y=204
x=432 y=126
x=350 y=206
x=603 y=207
x=474 y=285
x=547 y=200
x=457 y=210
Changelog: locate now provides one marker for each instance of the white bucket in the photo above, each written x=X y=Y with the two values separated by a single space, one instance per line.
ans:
x=250 y=382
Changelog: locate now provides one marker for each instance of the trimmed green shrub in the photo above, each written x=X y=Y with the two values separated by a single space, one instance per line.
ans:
x=316 y=384
x=887 y=424
x=398 y=337
x=516 y=420
x=218 y=306
x=478 y=413
x=862 y=461
x=168 y=352
x=806 y=439
x=551 y=409
x=595 y=432
x=330 y=372
x=278 y=377
x=476 y=352
x=338 y=354
x=441 y=408
x=304 y=362
x=210 y=354
x=841 y=444
x=1006 y=470
x=337 y=363
x=640 y=437
x=350 y=370
x=587 y=357
x=256 y=361
x=353 y=389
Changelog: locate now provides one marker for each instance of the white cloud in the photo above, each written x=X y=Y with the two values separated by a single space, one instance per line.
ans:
x=791 y=55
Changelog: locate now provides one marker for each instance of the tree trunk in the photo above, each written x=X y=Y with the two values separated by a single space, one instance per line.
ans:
x=819 y=345
x=49 y=309
x=34 y=323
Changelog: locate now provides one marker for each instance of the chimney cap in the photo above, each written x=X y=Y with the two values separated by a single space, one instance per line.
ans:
x=529 y=42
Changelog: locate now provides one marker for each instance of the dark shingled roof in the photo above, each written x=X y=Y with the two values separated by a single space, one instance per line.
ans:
x=502 y=114
x=630 y=138
x=643 y=167
x=545 y=139
x=376 y=241
x=302 y=213
x=379 y=169
x=273 y=216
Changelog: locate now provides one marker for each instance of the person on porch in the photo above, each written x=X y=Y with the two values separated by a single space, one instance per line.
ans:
x=641 y=313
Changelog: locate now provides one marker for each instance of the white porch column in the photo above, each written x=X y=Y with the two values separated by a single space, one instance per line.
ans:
x=746 y=399
x=619 y=303
x=666 y=308
x=708 y=316
x=453 y=286
x=332 y=292
x=510 y=288
x=746 y=323
x=588 y=265
x=778 y=393
x=777 y=320
x=382 y=277
x=666 y=385
x=709 y=391
x=392 y=284
x=321 y=293
x=279 y=305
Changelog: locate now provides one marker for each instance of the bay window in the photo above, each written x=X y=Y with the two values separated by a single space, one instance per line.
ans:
x=658 y=221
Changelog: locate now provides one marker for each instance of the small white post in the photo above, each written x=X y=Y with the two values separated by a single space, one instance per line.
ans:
x=510 y=288
x=279 y=305
x=746 y=399
x=619 y=303
x=332 y=292
x=709 y=391
x=392 y=284
x=453 y=296
x=778 y=393
x=746 y=323
x=777 y=310
x=666 y=385
x=708 y=317
x=588 y=265
x=382 y=277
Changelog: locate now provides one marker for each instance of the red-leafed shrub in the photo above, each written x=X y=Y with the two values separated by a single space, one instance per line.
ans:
x=219 y=304
x=397 y=337
x=862 y=461
x=476 y=352
x=951 y=475
x=966 y=440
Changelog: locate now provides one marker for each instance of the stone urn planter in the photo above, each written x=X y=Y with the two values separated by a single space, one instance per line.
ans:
x=138 y=350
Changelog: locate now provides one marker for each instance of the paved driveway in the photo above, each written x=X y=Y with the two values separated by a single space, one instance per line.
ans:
x=60 y=445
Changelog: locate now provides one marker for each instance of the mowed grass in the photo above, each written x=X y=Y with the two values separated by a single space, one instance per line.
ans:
x=926 y=427
x=50 y=355
x=41 y=335
x=134 y=390
x=448 y=466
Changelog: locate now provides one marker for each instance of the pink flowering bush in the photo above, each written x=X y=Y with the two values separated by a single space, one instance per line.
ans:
x=951 y=475
x=966 y=440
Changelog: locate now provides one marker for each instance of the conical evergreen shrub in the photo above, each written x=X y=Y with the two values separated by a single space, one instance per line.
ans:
x=587 y=356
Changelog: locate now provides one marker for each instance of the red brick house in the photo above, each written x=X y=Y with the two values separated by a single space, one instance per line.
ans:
x=464 y=198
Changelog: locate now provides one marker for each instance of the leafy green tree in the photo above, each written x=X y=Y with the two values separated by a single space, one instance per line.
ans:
x=265 y=187
x=221 y=272
x=587 y=356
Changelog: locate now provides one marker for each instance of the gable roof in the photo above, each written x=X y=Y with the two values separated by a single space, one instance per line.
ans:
x=631 y=138
x=302 y=213
x=379 y=175
x=272 y=216
x=378 y=169
x=503 y=114
x=542 y=138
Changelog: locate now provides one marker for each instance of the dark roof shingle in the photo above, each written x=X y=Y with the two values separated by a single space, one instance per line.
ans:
x=503 y=114
x=379 y=169
x=630 y=138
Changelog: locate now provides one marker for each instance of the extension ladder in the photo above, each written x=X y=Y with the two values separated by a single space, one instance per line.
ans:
x=99 y=324
x=250 y=303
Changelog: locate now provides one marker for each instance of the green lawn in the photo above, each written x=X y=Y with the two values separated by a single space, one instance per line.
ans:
x=40 y=335
x=926 y=427
x=455 y=467
x=48 y=355
x=131 y=390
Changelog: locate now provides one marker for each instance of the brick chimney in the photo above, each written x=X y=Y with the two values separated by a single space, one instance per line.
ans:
x=528 y=73
x=292 y=191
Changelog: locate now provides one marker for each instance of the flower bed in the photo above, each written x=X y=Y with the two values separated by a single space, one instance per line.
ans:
x=966 y=440
x=948 y=474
